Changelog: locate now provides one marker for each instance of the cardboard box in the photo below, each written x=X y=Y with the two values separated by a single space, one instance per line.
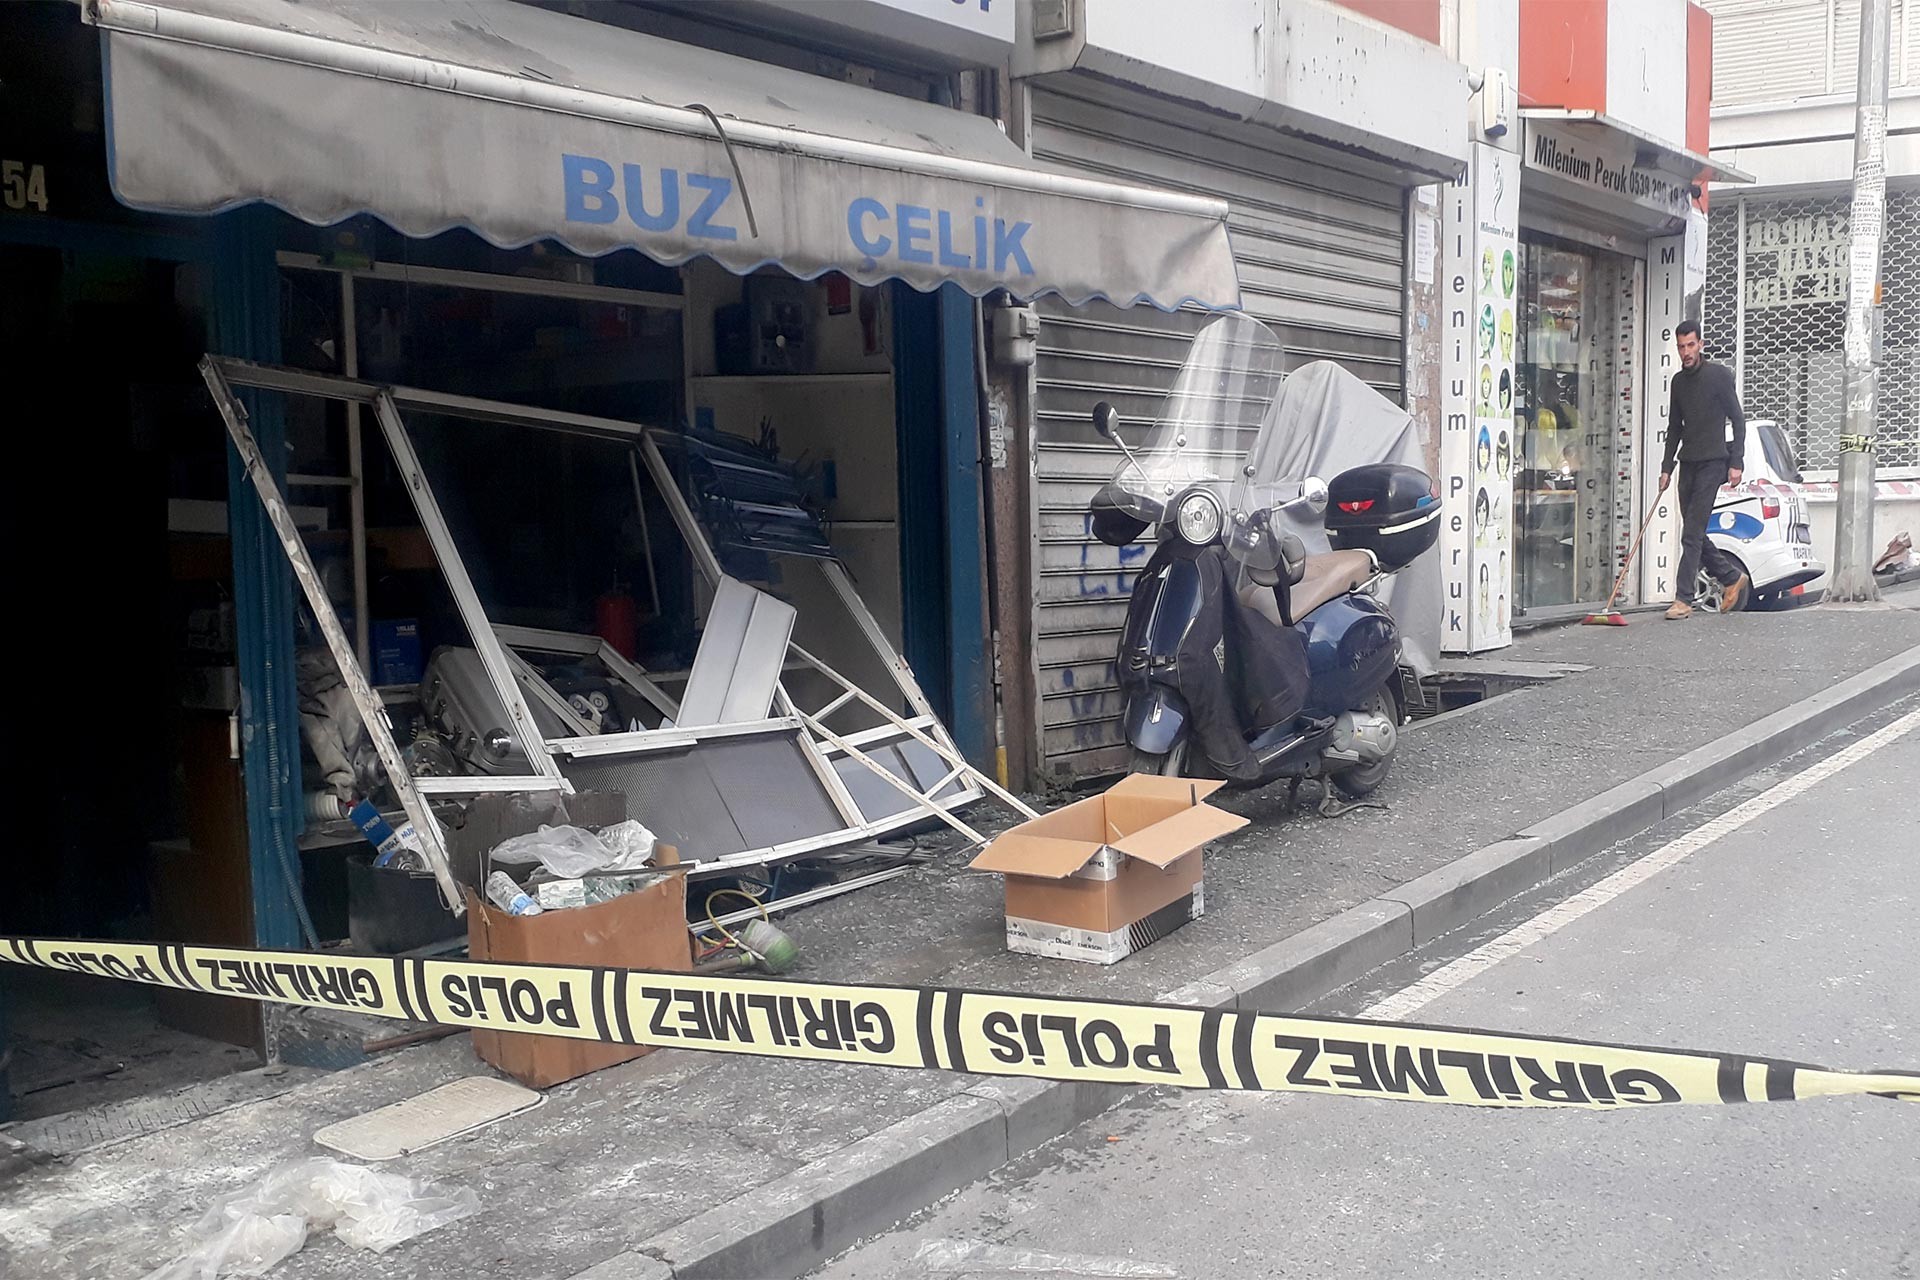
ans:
x=1105 y=876
x=646 y=929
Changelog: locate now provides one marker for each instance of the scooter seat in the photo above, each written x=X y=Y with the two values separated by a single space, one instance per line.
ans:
x=1329 y=574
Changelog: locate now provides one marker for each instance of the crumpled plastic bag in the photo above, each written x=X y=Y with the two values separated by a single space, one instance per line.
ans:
x=248 y=1232
x=571 y=852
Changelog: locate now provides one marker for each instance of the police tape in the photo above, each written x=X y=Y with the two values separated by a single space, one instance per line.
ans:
x=988 y=1033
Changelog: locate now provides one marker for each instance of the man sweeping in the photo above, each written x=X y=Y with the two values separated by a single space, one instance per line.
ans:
x=1709 y=456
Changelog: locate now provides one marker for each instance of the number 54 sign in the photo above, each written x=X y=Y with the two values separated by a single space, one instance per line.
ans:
x=23 y=184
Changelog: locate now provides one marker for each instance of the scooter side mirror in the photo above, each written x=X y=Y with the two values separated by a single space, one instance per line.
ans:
x=1313 y=491
x=1105 y=419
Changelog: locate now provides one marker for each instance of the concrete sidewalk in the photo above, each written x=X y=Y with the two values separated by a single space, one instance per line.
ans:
x=687 y=1165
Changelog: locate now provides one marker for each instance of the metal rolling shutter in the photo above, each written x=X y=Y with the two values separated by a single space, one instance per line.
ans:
x=1768 y=50
x=1320 y=243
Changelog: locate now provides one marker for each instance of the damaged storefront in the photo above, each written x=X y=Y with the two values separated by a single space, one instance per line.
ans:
x=595 y=454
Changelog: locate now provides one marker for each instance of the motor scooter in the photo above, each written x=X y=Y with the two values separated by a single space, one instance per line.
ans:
x=1244 y=656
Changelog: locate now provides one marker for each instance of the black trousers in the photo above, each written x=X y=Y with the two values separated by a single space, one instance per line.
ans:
x=1694 y=488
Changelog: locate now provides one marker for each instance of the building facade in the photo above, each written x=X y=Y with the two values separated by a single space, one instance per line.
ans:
x=1783 y=110
x=1569 y=254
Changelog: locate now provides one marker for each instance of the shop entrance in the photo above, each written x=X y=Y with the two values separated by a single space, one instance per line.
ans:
x=1573 y=412
x=133 y=827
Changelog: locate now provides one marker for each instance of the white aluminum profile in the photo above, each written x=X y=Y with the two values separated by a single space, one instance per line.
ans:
x=477 y=784
x=493 y=656
x=372 y=712
x=631 y=674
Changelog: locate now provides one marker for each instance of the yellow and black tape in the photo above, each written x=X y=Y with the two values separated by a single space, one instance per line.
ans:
x=923 y=1028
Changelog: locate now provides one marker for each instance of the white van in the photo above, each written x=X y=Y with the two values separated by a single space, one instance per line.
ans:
x=1762 y=523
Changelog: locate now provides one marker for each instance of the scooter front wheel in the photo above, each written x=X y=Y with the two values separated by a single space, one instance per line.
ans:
x=1161 y=764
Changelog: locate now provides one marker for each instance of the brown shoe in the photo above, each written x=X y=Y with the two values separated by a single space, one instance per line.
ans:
x=1681 y=609
x=1730 y=596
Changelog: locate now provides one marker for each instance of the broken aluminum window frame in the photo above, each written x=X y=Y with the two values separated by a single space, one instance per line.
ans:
x=372 y=711
x=576 y=644
x=507 y=677
x=938 y=740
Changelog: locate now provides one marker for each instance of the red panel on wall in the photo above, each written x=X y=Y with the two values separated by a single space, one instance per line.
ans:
x=1699 y=77
x=1563 y=54
x=1416 y=17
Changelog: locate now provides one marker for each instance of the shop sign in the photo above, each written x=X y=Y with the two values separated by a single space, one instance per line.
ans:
x=1794 y=260
x=1605 y=164
x=1477 y=442
x=1497 y=241
x=1666 y=307
x=1456 y=411
x=699 y=205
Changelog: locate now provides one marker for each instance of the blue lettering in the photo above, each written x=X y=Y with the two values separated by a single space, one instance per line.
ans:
x=914 y=231
x=669 y=215
x=589 y=189
x=863 y=207
x=1006 y=245
x=701 y=223
x=948 y=258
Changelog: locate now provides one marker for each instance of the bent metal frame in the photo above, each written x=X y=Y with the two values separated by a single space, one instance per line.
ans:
x=514 y=679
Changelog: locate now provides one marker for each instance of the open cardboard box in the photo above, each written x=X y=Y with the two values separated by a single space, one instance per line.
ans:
x=646 y=929
x=1103 y=877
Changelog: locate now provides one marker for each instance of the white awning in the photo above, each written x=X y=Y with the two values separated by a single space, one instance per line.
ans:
x=523 y=124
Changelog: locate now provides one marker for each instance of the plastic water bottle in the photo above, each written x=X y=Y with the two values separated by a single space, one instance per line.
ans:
x=509 y=897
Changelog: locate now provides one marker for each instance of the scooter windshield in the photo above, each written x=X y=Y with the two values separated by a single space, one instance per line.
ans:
x=1221 y=396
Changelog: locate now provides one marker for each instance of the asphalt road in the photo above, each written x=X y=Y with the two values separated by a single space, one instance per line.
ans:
x=1795 y=935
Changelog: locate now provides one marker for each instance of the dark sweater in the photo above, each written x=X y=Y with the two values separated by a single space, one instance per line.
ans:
x=1703 y=403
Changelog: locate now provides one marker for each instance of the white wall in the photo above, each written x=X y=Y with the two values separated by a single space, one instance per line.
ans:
x=1891 y=515
x=1810 y=143
x=1490 y=35
x=1296 y=64
x=1647 y=65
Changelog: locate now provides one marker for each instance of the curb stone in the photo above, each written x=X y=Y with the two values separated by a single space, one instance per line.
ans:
x=799 y=1221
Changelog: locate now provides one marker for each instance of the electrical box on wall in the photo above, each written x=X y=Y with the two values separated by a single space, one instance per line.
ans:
x=771 y=331
x=1496 y=108
x=1016 y=333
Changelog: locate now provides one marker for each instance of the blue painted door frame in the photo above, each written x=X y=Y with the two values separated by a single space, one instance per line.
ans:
x=944 y=627
x=969 y=664
x=246 y=323
x=244 y=320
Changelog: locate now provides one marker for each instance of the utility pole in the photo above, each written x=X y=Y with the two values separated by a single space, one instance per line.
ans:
x=1853 y=550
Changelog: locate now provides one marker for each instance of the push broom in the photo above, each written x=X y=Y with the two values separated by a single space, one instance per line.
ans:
x=1608 y=616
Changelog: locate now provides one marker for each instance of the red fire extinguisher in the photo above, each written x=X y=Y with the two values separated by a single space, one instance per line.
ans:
x=616 y=619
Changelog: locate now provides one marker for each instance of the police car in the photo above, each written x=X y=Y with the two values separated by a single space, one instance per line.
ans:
x=1762 y=523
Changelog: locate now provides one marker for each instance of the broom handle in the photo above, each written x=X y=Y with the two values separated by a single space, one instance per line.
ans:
x=1631 y=553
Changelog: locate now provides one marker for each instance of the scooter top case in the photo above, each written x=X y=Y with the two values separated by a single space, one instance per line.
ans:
x=1384 y=508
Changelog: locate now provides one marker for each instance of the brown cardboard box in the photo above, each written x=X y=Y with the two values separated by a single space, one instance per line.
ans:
x=1103 y=877
x=646 y=929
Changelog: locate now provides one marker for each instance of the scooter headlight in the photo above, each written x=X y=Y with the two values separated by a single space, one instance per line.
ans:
x=1198 y=517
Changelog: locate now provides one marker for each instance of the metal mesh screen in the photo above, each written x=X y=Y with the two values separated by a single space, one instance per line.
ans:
x=1795 y=283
